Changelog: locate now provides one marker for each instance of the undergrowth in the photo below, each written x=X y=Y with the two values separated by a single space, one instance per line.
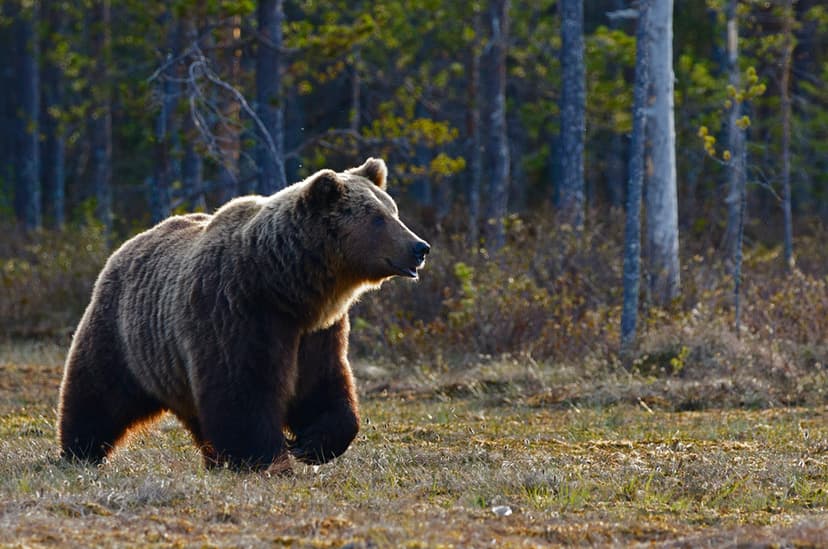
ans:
x=46 y=279
x=549 y=296
x=494 y=409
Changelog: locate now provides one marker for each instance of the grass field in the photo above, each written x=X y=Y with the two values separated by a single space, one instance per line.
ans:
x=442 y=462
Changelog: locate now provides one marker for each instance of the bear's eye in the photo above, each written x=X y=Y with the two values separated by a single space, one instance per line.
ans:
x=378 y=221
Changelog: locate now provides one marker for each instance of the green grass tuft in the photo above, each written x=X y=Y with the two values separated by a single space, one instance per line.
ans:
x=434 y=457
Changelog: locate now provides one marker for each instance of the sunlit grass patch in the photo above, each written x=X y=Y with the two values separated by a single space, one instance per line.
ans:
x=518 y=455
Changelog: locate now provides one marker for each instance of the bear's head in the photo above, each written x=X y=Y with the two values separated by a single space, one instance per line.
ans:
x=374 y=243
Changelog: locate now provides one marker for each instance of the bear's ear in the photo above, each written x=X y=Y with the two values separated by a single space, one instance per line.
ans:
x=324 y=188
x=373 y=169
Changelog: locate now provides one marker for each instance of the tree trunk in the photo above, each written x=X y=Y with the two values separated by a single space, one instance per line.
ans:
x=420 y=188
x=572 y=106
x=101 y=112
x=518 y=193
x=192 y=165
x=227 y=128
x=7 y=109
x=735 y=136
x=27 y=176
x=632 y=229
x=499 y=185
x=473 y=129
x=740 y=232
x=192 y=172
x=160 y=199
x=616 y=171
x=355 y=115
x=294 y=113
x=737 y=195
x=615 y=161
x=270 y=151
x=786 y=131
x=53 y=175
x=662 y=199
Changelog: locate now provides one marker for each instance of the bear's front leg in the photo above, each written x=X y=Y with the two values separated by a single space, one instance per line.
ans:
x=242 y=432
x=324 y=415
x=242 y=405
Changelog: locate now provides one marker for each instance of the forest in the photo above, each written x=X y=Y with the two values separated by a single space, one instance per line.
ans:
x=627 y=203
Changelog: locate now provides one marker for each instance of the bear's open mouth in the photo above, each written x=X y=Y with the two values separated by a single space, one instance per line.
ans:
x=410 y=272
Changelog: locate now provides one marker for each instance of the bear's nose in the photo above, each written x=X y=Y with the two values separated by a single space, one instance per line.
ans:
x=421 y=250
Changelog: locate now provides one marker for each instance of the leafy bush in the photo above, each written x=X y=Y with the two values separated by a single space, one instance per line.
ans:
x=46 y=279
x=549 y=296
x=555 y=296
x=540 y=295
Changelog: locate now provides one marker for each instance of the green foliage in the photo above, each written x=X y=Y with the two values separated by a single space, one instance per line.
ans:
x=520 y=301
x=610 y=54
x=525 y=301
x=340 y=40
x=46 y=278
x=411 y=60
x=553 y=295
x=550 y=293
x=462 y=311
x=503 y=384
x=752 y=90
x=669 y=361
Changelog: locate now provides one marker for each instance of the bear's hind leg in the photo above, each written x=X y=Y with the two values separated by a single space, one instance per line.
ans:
x=324 y=416
x=99 y=402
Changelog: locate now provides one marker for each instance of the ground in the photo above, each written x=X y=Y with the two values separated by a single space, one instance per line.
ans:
x=436 y=464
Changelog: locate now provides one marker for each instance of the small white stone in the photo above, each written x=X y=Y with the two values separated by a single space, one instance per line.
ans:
x=502 y=510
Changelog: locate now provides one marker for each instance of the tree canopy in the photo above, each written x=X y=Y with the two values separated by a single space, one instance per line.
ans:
x=391 y=79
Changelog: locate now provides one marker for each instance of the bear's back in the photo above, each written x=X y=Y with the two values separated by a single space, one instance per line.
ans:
x=142 y=283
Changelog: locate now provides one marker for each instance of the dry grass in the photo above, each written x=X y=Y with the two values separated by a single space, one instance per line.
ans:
x=436 y=454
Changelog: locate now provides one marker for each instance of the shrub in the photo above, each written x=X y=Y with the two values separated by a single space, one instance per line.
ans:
x=47 y=279
x=549 y=295
x=556 y=296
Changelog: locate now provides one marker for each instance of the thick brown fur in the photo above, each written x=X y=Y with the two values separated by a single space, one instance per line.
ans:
x=237 y=323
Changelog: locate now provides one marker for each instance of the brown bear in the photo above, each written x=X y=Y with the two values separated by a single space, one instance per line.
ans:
x=237 y=323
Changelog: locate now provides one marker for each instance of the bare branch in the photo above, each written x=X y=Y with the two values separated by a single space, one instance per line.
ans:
x=624 y=14
x=213 y=77
x=400 y=143
x=205 y=114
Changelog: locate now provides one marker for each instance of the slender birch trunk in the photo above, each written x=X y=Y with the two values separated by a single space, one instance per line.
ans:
x=101 y=123
x=27 y=178
x=632 y=229
x=572 y=106
x=499 y=185
x=735 y=136
x=662 y=198
x=475 y=142
x=785 y=85
x=270 y=153
x=53 y=153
